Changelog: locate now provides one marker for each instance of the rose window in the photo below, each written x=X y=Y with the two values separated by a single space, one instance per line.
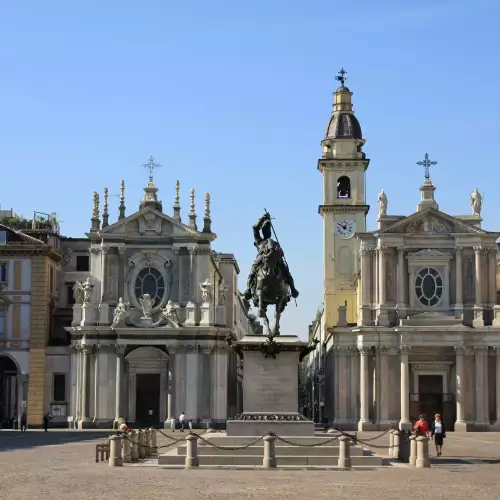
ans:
x=150 y=280
x=429 y=287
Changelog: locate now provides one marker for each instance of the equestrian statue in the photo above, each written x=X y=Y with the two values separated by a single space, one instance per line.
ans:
x=270 y=281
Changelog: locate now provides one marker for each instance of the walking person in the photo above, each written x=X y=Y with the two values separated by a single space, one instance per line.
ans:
x=23 y=421
x=421 y=427
x=46 y=419
x=182 y=419
x=172 y=424
x=438 y=433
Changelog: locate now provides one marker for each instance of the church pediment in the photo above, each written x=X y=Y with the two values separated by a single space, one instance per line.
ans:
x=151 y=222
x=430 y=222
x=429 y=252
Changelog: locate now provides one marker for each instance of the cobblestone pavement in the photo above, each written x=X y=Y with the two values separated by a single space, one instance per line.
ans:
x=40 y=466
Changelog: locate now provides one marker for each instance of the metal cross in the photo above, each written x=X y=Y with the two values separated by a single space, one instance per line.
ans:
x=341 y=78
x=426 y=164
x=151 y=166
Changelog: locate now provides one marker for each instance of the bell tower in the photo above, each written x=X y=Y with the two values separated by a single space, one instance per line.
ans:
x=342 y=165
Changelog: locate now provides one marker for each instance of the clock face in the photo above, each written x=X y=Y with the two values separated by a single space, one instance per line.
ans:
x=345 y=228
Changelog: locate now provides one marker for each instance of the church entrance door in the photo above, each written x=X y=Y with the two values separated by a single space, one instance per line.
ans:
x=430 y=388
x=147 y=405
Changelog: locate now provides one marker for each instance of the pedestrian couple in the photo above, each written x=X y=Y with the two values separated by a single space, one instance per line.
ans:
x=436 y=432
x=182 y=423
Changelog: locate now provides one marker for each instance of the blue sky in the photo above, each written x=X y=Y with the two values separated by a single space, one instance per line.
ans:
x=228 y=95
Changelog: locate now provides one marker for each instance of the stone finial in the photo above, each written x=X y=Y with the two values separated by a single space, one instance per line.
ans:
x=192 y=213
x=95 y=222
x=122 y=201
x=105 y=213
x=206 y=219
x=177 y=201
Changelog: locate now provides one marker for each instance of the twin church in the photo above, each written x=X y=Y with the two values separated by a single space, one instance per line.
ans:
x=411 y=321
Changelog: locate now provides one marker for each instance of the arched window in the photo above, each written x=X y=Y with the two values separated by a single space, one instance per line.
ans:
x=429 y=286
x=150 y=280
x=343 y=187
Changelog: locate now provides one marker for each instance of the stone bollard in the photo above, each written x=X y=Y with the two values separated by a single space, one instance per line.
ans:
x=344 y=453
x=115 y=451
x=413 y=451
x=134 y=435
x=192 y=459
x=147 y=442
x=395 y=446
x=391 y=443
x=154 y=446
x=404 y=446
x=423 y=460
x=126 y=455
x=269 y=461
x=141 y=441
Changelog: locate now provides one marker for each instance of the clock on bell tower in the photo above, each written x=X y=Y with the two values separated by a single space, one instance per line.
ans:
x=342 y=165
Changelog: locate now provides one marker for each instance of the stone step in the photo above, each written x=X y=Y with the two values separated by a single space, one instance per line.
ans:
x=223 y=440
x=323 y=451
x=283 y=461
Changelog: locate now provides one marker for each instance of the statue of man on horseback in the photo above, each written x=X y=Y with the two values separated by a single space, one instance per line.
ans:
x=270 y=281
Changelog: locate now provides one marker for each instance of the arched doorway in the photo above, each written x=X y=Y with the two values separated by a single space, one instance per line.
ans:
x=8 y=390
x=147 y=370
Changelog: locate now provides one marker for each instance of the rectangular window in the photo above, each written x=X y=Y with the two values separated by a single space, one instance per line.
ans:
x=70 y=296
x=3 y=237
x=82 y=263
x=2 y=324
x=3 y=272
x=59 y=394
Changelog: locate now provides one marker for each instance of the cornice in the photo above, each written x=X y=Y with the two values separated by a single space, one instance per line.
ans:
x=352 y=209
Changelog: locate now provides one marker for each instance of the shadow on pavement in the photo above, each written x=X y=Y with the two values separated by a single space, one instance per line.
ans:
x=13 y=440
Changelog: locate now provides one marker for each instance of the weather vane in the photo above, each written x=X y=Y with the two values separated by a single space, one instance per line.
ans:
x=426 y=164
x=342 y=77
x=151 y=165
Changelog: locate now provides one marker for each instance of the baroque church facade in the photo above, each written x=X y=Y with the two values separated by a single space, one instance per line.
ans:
x=410 y=322
x=149 y=304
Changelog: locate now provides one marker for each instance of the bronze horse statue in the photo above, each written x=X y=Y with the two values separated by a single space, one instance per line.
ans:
x=270 y=281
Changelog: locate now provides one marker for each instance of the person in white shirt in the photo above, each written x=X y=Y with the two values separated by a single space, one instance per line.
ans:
x=438 y=433
x=182 y=418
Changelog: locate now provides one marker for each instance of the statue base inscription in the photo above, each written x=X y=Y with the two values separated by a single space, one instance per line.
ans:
x=270 y=389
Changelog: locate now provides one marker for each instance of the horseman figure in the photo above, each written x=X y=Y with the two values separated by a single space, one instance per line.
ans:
x=270 y=281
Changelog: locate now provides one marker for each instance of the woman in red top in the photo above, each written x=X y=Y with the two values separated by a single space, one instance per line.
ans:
x=422 y=427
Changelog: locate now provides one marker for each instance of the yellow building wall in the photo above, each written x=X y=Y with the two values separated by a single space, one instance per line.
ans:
x=332 y=303
x=38 y=339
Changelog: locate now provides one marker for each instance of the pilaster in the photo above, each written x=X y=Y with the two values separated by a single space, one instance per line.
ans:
x=401 y=285
x=478 y=305
x=405 y=423
x=459 y=300
x=460 y=424
x=383 y=316
x=481 y=386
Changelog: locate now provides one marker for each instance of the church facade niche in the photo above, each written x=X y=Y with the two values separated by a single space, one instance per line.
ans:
x=343 y=187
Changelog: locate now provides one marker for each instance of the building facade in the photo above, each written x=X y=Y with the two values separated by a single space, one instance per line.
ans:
x=150 y=305
x=411 y=321
x=29 y=268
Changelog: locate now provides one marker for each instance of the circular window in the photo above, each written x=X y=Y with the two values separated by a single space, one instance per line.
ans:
x=429 y=286
x=150 y=280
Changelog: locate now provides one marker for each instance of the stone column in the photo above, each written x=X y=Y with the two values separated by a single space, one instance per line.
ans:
x=497 y=387
x=73 y=382
x=478 y=305
x=384 y=379
x=132 y=393
x=104 y=273
x=193 y=282
x=480 y=355
x=121 y=272
x=492 y=273
x=364 y=390
x=96 y=382
x=401 y=279
x=404 y=423
x=459 y=298
x=460 y=424
x=120 y=351
x=220 y=391
x=86 y=350
x=383 y=318
x=170 y=388
x=366 y=285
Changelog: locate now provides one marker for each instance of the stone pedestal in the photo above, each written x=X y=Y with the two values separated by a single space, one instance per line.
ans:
x=77 y=315
x=496 y=315
x=104 y=314
x=207 y=313
x=270 y=388
x=89 y=315
x=146 y=322
x=191 y=313
x=220 y=315
x=478 y=320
